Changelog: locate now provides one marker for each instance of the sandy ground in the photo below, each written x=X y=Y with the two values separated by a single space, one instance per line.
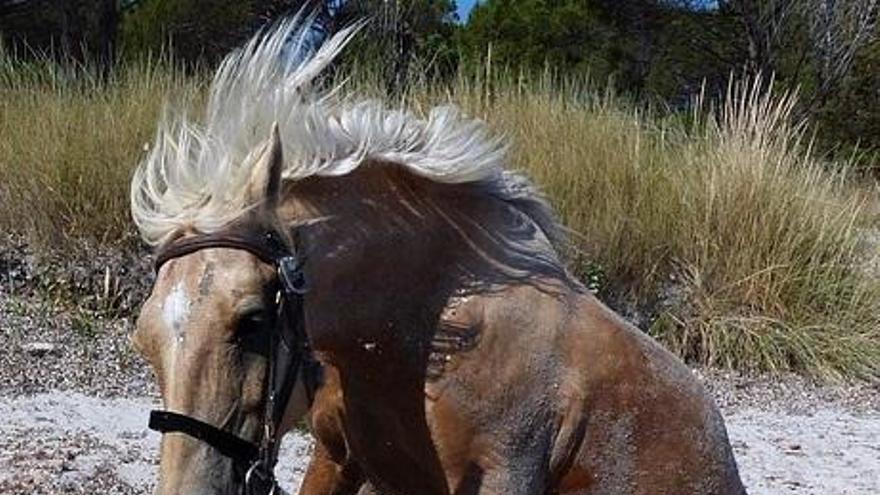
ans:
x=74 y=402
x=831 y=452
x=68 y=442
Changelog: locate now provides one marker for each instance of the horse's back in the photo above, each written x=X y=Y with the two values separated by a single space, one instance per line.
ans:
x=637 y=420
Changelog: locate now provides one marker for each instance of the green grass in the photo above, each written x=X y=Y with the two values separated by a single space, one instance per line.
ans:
x=736 y=245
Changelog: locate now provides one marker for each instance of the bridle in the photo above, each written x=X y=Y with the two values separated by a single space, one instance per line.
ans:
x=289 y=356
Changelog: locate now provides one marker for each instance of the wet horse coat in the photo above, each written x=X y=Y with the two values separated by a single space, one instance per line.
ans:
x=459 y=354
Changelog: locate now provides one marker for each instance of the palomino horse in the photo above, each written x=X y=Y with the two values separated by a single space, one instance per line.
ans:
x=458 y=355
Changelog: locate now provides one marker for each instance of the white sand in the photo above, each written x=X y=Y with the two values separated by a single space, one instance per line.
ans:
x=60 y=441
x=829 y=452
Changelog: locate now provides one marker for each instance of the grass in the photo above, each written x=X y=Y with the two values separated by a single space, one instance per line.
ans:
x=68 y=142
x=738 y=247
x=717 y=229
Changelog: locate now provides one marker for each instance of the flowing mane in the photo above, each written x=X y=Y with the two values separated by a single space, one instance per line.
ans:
x=196 y=173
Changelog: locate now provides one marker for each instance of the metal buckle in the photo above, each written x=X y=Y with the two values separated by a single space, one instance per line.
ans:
x=259 y=481
x=291 y=276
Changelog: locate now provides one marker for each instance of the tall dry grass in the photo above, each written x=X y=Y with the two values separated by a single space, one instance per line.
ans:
x=68 y=142
x=717 y=230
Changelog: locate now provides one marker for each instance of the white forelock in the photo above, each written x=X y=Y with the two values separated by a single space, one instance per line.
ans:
x=196 y=173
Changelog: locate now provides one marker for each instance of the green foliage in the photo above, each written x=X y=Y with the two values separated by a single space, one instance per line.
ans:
x=532 y=34
x=610 y=40
x=404 y=38
x=853 y=115
x=664 y=51
x=78 y=30
x=193 y=29
x=670 y=51
x=686 y=60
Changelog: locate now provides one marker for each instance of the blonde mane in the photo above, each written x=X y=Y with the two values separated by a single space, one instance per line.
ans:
x=196 y=173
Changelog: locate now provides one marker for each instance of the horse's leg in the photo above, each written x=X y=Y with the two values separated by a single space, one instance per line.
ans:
x=331 y=470
x=326 y=477
x=320 y=475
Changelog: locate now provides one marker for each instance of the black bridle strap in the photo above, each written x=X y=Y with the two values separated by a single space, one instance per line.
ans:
x=226 y=443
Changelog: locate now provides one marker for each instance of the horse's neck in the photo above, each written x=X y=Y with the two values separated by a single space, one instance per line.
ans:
x=378 y=262
x=394 y=249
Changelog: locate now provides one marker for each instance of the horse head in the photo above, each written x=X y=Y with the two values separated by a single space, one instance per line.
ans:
x=212 y=329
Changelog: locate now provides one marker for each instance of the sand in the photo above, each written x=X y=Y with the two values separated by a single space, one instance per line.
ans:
x=68 y=442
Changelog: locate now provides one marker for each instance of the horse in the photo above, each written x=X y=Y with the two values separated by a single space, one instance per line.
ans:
x=385 y=276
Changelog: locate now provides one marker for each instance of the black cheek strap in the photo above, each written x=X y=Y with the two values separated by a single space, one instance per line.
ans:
x=226 y=443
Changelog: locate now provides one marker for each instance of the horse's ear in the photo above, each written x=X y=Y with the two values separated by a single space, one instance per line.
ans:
x=265 y=181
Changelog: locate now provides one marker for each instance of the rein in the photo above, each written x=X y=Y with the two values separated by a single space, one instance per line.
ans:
x=289 y=356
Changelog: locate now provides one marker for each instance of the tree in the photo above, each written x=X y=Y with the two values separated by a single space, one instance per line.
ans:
x=79 y=31
x=637 y=26
x=810 y=44
x=695 y=50
x=204 y=31
x=615 y=39
x=839 y=29
x=401 y=33
x=566 y=34
x=851 y=115
x=398 y=33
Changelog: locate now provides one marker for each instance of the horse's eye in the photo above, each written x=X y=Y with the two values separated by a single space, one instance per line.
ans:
x=252 y=322
x=252 y=334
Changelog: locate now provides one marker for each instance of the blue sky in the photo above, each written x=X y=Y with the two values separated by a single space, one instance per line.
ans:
x=464 y=8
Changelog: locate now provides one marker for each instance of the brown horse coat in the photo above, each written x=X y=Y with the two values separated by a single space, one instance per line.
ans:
x=505 y=384
x=460 y=356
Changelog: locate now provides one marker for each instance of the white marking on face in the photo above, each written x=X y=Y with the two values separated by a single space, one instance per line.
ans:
x=175 y=310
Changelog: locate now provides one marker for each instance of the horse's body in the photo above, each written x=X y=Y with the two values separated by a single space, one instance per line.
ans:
x=470 y=379
x=459 y=355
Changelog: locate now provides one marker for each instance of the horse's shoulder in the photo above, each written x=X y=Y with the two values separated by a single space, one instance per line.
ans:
x=609 y=349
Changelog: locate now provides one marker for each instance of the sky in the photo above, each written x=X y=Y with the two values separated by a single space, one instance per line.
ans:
x=464 y=8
